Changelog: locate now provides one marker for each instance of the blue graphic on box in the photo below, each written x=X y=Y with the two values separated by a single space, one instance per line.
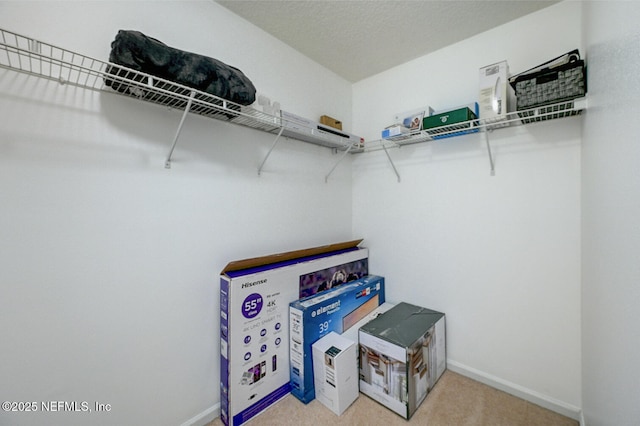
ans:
x=252 y=305
x=313 y=317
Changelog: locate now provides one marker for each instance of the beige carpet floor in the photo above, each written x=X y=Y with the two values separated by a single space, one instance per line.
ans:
x=455 y=400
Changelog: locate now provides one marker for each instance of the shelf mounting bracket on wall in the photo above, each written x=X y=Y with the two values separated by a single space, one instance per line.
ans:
x=273 y=145
x=167 y=163
x=326 y=178
x=491 y=161
x=391 y=162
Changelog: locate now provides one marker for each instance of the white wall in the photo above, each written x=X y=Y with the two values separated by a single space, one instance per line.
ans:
x=610 y=212
x=109 y=261
x=500 y=255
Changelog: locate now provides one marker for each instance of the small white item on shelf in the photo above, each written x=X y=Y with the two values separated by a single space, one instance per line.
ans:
x=394 y=130
x=413 y=119
x=267 y=106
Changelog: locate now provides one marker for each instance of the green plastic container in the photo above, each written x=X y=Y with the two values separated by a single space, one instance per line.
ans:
x=451 y=120
x=450 y=117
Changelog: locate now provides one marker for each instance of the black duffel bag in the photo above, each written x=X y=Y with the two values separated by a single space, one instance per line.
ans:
x=139 y=52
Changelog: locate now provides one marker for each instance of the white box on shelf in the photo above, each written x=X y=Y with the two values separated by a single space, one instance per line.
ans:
x=394 y=130
x=493 y=96
x=315 y=132
x=335 y=372
x=412 y=120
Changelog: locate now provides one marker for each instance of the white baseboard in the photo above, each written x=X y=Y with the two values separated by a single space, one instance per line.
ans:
x=582 y=420
x=532 y=396
x=205 y=417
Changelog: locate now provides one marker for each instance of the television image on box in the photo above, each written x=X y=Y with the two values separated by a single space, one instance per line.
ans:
x=325 y=279
x=360 y=312
x=413 y=122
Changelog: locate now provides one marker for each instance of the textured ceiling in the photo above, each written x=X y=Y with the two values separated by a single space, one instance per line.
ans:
x=357 y=39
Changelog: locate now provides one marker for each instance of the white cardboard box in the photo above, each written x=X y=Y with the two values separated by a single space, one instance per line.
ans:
x=395 y=130
x=335 y=372
x=309 y=131
x=402 y=356
x=412 y=120
x=254 y=322
x=493 y=96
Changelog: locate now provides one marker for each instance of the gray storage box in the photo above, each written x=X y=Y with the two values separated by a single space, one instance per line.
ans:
x=402 y=356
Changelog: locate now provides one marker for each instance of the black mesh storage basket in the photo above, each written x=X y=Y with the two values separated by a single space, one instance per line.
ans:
x=551 y=86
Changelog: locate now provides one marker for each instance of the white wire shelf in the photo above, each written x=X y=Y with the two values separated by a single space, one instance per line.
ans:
x=542 y=113
x=516 y=118
x=33 y=57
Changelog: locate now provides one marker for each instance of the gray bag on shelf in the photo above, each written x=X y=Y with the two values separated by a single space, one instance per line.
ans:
x=139 y=52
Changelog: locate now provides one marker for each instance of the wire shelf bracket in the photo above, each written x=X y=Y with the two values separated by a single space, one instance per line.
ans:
x=167 y=163
x=491 y=160
x=393 y=166
x=326 y=178
x=273 y=145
